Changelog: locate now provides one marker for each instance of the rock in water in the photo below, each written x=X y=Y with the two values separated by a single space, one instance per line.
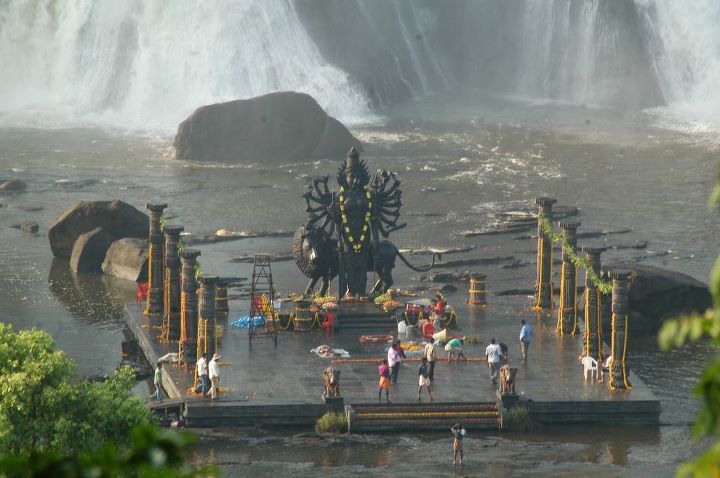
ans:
x=655 y=294
x=278 y=127
x=14 y=185
x=127 y=259
x=89 y=250
x=31 y=227
x=117 y=218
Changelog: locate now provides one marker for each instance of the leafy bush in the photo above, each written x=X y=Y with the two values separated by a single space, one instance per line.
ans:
x=331 y=423
x=45 y=405
x=517 y=419
x=152 y=453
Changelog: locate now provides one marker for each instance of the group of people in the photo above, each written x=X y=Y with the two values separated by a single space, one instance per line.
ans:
x=208 y=374
x=390 y=368
x=498 y=353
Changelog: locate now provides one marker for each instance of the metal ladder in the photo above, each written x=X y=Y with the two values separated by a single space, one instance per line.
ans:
x=262 y=295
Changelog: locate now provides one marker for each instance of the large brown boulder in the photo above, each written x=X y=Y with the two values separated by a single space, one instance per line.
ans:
x=279 y=127
x=655 y=294
x=89 y=250
x=117 y=218
x=127 y=259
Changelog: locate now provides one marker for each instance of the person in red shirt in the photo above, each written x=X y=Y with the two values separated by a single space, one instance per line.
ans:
x=428 y=330
x=384 y=383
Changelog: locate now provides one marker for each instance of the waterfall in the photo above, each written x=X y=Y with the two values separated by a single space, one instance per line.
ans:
x=684 y=38
x=149 y=63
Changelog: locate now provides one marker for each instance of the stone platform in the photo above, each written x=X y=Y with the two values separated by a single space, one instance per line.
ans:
x=267 y=385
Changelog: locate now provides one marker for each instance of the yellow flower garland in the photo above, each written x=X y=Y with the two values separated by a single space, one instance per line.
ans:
x=357 y=245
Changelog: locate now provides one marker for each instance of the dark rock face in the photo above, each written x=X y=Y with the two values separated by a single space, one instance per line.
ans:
x=89 y=251
x=14 y=185
x=117 y=218
x=279 y=127
x=656 y=294
x=127 y=259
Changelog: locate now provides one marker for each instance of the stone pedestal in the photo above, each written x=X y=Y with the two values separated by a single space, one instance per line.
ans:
x=620 y=314
x=207 y=338
x=477 y=294
x=172 y=290
x=187 y=348
x=544 y=280
x=567 y=312
x=154 y=308
x=593 y=345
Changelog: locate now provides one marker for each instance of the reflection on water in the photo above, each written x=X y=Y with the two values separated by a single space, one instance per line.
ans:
x=92 y=298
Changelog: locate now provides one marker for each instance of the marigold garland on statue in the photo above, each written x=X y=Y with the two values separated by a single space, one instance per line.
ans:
x=356 y=245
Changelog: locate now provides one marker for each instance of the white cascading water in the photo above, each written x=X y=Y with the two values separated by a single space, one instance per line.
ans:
x=149 y=63
x=684 y=39
x=562 y=44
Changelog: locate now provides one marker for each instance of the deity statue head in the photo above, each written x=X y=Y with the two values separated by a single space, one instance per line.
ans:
x=353 y=173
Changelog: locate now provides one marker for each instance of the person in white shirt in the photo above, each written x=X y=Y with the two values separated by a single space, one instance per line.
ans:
x=202 y=373
x=394 y=360
x=493 y=354
x=214 y=369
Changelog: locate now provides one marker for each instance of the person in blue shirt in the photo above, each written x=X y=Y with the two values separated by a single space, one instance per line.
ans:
x=525 y=338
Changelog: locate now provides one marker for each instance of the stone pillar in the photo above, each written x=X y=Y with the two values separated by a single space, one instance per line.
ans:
x=544 y=280
x=154 y=307
x=620 y=312
x=172 y=291
x=189 y=309
x=222 y=308
x=593 y=300
x=206 y=319
x=567 y=312
x=477 y=294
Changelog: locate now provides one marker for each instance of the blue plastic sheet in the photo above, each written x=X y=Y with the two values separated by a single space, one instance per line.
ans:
x=244 y=322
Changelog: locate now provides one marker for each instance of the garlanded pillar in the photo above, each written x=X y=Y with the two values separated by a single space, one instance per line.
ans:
x=171 y=288
x=593 y=303
x=187 y=349
x=154 y=308
x=206 y=321
x=620 y=312
x=222 y=308
x=477 y=294
x=543 y=283
x=567 y=312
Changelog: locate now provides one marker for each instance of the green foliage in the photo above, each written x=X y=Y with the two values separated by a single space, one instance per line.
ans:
x=162 y=222
x=332 y=423
x=604 y=286
x=517 y=419
x=45 y=406
x=677 y=332
x=198 y=269
x=181 y=245
x=150 y=454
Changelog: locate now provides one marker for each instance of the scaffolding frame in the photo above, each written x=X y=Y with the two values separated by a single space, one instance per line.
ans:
x=262 y=296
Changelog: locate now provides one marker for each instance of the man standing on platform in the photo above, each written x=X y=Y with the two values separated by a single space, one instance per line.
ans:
x=394 y=360
x=157 y=381
x=493 y=353
x=430 y=356
x=525 y=338
x=202 y=373
x=214 y=370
